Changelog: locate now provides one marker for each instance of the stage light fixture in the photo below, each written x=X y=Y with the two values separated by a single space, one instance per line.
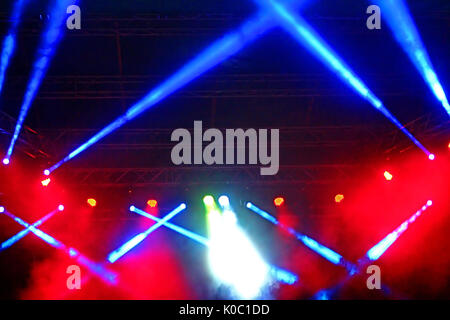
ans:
x=224 y=201
x=152 y=203
x=46 y=172
x=133 y=242
x=46 y=182
x=92 y=202
x=2 y=209
x=338 y=198
x=61 y=207
x=431 y=157
x=208 y=200
x=312 y=41
x=388 y=176
x=5 y=161
x=278 y=201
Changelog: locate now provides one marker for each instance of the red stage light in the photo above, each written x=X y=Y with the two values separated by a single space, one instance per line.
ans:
x=388 y=176
x=92 y=202
x=278 y=201
x=338 y=198
x=152 y=203
x=46 y=182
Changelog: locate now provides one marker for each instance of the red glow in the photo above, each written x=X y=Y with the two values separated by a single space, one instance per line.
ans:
x=278 y=201
x=338 y=198
x=46 y=182
x=92 y=202
x=388 y=176
x=152 y=203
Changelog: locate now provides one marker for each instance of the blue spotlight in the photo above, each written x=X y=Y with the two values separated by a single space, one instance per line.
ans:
x=377 y=251
x=218 y=52
x=46 y=51
x=279 y=274
x=23 y=233
x=402 y=25
x=2 y=209
x=61 y=207
x=224 y=201
x=313 y=42
x=97 y=269
x=325 y=252
x=116 y=254
x=6 y=161
x=9 y=42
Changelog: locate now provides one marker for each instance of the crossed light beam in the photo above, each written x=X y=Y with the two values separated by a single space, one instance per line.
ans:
x=97 y=269
x=277 y=273
x=8 y=243
x=405 y=32
x=9 y=43
x=372 y=254
x=232 y=43
x=133 y=242
x=47 y=48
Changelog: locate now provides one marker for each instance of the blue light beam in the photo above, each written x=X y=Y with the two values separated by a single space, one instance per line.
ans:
x=380 y=248
x=320 y=249
x=375 y=253
x=47 y=48
x=104 y=274
x=278 y=273
x=218 y=52
x=185 y=232
x=400 y=20
x=314 y=43
x=9 y=43
x=133 y=242
x=8 y=243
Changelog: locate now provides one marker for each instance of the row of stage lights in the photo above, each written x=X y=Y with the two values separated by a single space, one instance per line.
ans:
x=277 y=201
x=233 y=259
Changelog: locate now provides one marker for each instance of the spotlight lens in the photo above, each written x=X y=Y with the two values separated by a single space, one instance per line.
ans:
x=6 y=161
x=92 y=202
x=152 y=203
x=431 y=157
x=2 y=209
x=338 y=198
x=46 y=172
x=224 y=201
x=60 y=207
x=429 y=202
x=132 y=208
x=278 y=201
x=208 y=200
x=388 y=176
